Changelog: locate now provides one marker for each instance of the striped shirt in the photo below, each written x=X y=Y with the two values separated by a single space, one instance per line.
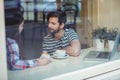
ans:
x=50 y=45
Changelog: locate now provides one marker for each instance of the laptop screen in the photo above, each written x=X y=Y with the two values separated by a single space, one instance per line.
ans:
x=117 y=40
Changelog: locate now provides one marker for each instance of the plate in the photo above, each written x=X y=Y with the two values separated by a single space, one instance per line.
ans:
x=61 y=57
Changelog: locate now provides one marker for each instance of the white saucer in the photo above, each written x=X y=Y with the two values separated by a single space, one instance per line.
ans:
x=60 y=57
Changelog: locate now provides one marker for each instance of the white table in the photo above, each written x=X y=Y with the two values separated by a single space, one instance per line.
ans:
x=57 y=69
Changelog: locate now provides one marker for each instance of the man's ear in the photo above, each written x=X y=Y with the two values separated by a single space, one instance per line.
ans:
x=62 y=25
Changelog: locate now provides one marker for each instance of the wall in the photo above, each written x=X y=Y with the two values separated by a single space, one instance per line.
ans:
x=109 y=13
x=99 y=13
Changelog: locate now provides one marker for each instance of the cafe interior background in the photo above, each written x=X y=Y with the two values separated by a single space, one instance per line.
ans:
x=91 y=14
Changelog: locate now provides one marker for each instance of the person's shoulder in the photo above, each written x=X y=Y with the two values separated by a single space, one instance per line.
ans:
x=48 y=36
x=10 y=40
x=69 y=30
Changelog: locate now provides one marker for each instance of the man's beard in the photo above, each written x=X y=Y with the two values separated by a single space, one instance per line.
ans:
x=54 y=32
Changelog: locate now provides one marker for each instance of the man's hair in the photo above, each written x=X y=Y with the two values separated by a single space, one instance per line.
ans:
x=12 y=30
x=61 y=15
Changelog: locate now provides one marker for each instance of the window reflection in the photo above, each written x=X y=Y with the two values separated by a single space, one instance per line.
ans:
x=29 y=12
x=89 y=18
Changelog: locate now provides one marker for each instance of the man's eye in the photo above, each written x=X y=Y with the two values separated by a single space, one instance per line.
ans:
x=53 y=23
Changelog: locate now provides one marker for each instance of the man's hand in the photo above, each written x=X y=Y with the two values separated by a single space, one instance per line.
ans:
x=46 y=55
x=43 y=61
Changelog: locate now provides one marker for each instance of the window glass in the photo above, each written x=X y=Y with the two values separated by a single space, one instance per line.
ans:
x=91 y=15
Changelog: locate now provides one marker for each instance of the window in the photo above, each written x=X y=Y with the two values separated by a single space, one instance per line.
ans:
x=99 y=14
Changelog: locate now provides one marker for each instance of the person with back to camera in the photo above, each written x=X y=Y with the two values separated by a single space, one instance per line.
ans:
x=60 y=38
x=14 y=60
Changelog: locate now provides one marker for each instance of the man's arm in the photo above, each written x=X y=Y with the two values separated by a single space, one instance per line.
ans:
x=74 y=48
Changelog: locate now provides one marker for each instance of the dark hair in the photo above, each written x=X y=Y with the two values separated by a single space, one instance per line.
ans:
x=61 y=15
x=12 y=30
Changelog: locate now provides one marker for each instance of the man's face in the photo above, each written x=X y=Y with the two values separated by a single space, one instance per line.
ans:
x=53 y=25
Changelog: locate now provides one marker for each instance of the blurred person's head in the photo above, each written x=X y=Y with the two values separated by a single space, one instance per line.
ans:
x=13 y=30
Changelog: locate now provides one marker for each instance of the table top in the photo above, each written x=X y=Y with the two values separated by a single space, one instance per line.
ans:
x=55 y=68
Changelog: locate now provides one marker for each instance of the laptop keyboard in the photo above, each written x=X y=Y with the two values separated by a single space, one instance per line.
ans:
x=103 y=55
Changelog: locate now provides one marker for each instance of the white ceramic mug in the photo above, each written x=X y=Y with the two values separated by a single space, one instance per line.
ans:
x=60 y=53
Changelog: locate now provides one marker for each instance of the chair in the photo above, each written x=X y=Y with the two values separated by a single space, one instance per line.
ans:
x=48 y=8
x=12 y=12
x=71 y=12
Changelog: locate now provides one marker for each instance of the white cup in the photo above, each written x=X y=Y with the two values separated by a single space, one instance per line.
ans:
x=60 y=53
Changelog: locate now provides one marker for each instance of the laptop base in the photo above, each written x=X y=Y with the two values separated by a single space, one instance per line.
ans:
x=98 y=56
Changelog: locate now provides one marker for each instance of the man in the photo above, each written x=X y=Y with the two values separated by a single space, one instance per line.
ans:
x=15 y=62
x=60 y=38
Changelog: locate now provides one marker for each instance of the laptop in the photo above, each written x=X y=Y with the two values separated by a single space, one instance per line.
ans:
x=103 y=55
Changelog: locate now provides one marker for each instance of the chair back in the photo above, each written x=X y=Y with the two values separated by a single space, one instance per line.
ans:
x=48 y=8
x=13 y=12
x=71 y=12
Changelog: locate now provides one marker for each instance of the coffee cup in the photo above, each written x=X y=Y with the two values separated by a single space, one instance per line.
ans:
x=60 y=53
